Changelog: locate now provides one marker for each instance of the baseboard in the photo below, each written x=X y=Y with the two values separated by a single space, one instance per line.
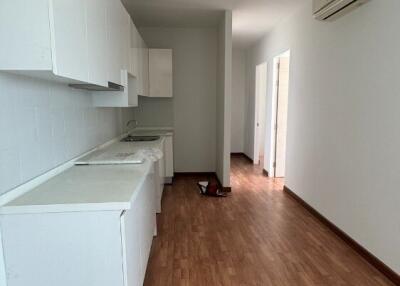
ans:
x=204 y=174
x=241 y=154
x=192 y=174
x=368 y=256
x=168 y=180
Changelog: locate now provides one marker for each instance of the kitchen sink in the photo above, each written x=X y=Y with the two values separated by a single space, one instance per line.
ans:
x=131 y=138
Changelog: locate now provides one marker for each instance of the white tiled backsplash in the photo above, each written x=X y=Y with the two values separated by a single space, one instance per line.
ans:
x=44 y=124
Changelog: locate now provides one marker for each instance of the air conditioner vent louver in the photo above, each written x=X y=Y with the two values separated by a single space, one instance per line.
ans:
x=332 y=9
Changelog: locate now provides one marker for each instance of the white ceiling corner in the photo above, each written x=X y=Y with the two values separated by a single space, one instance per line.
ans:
x=251 y=18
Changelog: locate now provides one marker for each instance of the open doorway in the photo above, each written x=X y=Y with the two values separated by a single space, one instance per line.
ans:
x=280 y=113
x=259 y=114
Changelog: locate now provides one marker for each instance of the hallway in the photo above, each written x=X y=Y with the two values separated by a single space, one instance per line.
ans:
x=257 y=236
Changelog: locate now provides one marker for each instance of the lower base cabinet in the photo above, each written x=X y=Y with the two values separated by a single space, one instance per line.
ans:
x=90 y=248
x=137 y=229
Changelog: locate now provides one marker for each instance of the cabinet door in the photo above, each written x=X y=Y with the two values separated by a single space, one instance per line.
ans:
x=63 y=249
x=131 y=226
x=69 y=37
x=137 y=226
x=25 y=34
x=140 y=63
x=160 y=69
x=134 y=37
x=145 y=71
x=126 y=39
x=114 y=40
x=169 y=157
x=97 y=41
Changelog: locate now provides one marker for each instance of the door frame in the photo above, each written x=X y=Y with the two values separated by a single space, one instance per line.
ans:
x=261 y=69
x=275 y=107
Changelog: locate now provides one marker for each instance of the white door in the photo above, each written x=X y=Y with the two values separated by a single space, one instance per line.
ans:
x=281 y=115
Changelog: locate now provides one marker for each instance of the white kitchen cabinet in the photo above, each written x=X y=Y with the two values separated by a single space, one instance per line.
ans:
x=70 y=54
x=25 y=33
x=145 y=70
x=159 y=176
x=169 y=157
x=117 y=19
x=129 y=78
x=135 y=41
x=137 y=226
x=126 y=39
x=143 y=67
x=44 y=38
x=71 y=41
x=126 y=98
x=135 y=75
x=81 y=248
x=160 y=73
x=97 y=41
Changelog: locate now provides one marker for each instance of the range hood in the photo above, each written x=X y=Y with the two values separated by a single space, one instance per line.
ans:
x=94 y=87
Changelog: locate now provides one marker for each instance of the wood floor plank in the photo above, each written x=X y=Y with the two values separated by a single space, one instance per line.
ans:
x=256 y=236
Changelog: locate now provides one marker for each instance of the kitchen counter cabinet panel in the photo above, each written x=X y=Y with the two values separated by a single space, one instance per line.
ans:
x=63 y=249
x=83 y=188
x=81 y=248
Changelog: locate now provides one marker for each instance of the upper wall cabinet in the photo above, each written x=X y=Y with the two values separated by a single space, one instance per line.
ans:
x=160 y=72
x=97 y=41
x=74 y=41
x=132 y=75
x=141 y=55
x=45 y=38
x=25 y=33
x=117 y=39
x=69 y=38
x=125 y=98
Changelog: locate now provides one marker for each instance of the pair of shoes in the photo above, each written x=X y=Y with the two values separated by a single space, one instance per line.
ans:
x=210 y=189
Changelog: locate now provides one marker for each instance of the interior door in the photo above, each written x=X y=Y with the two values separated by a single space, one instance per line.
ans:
x=281 y=116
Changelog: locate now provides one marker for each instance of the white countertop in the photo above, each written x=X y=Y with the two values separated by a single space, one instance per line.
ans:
x=88 y=187
x=83 y=188
x=124 y=152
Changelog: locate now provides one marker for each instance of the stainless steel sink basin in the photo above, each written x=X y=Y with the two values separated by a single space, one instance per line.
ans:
x=131 y=138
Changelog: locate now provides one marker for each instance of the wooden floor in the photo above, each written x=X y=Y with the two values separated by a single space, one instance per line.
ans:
x=257 y=236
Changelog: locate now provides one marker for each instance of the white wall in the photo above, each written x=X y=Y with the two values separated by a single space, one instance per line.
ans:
x=194 y=88
x=343 y=135
x=154 y=112
x=224 y=96
x=238 y=100
x=44 y=124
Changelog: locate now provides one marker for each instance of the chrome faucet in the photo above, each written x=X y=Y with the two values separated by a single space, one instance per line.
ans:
x=130 y=121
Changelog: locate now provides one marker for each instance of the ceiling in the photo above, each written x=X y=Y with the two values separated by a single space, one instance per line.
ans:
x=251 y=18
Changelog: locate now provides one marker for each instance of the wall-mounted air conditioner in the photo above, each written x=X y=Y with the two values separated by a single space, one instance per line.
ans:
x=332 y=9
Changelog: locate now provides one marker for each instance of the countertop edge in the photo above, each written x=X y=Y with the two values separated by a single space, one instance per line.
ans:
x=64 y=208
